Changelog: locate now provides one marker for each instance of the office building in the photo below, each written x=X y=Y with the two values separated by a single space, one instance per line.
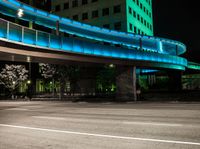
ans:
x=134 y=16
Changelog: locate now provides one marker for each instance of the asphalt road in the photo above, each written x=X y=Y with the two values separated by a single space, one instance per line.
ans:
x=65 y=125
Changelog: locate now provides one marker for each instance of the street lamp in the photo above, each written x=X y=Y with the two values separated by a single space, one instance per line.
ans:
x=20 y=13
x=111 y=65
x=29 y=82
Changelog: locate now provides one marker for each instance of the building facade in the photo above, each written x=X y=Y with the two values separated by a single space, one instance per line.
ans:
x=134 y=16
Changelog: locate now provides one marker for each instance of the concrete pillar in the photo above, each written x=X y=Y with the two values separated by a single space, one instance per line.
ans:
x=126 y=83
x=33 y=74
x=175 y=81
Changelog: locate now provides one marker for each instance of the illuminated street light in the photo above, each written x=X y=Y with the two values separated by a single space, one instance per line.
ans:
x=20 y=13
x=111 y=65
x=14 y=82
x=29 y=82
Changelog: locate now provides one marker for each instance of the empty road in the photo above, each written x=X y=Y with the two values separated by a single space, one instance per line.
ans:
x=66 y=125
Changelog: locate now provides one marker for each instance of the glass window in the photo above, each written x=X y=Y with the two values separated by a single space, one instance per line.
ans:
x=85 y=16
x=57 y=8
x=142 y=20
x=135 y=29
x=130 y=10
x=130 y=26
x=84 y=2
x=117 y=26
x=117 y=9
x=138 y=2
x=95 y=14
x=141 y=6
x=105 y=11
x=75 y=3
x=75 y=17
x=134 y=13
x=66 y=5
x=138 y=17
x=106 y=26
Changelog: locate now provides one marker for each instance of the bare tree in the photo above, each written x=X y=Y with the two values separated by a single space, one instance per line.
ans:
x=12 y=76
x=62 y=73
x=48 y=71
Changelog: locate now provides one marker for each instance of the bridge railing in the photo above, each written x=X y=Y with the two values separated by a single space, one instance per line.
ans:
x=23 y=35
x=147 y=43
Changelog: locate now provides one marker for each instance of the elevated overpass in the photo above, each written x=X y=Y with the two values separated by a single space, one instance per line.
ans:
x=19 y=43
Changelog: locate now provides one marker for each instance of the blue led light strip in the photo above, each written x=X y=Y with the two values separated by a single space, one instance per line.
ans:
x=154 y=44
x=31 y=37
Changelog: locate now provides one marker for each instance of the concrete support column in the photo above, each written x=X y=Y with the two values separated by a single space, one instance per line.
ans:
x=34 y=74
x=126 y=83
x=175 y=81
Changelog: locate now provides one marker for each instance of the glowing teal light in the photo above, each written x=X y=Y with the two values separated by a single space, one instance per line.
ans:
x=88 y=31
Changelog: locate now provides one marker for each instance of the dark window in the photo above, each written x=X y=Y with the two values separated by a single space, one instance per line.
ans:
x=85 y=16
x=75 y=17
x=75 y=3
x=147 y=25
x=138 y=2
x=138 y=31
x=84 y=2
x=150 y=27
x=144 y=9
x=95 y=14
x=130 y=26
x=134 y=13
x=117 y=26
x=66 y=5
x=141 y=6
x=105 y=12
x=142 y=20
x=117 y=9
x=138 y=17
x=150 y=15
x=106 y=26
x=57 y=8
x=135 y=29
x=130 y=10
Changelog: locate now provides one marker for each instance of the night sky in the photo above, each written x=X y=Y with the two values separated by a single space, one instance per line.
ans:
x=179 y=20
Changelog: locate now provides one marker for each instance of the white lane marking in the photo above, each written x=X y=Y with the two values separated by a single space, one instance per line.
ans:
x=100 y=135
x=17 y=109
x=106 y=121
x=152 y=123
x=50 y=118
